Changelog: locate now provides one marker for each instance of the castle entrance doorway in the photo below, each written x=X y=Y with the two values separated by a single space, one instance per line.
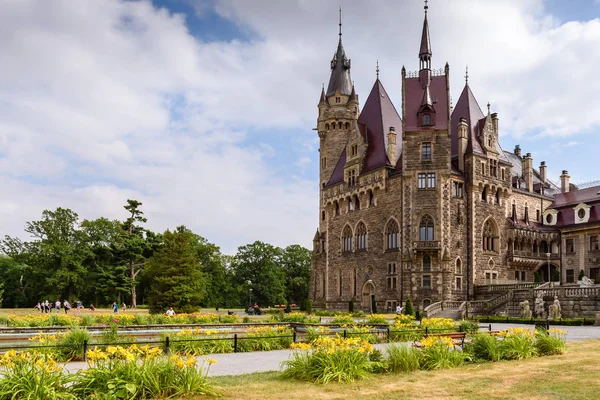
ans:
x=368 y=296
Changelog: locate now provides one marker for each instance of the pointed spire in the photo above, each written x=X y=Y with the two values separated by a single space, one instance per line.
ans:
x=353 y=96
x=426 y=100
x=425 y=41
x=323 y=100
x=488 y=106
x=340 y=69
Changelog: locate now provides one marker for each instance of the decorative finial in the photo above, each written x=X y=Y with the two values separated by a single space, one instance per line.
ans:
x=488 y=107
x=340 y=22
x=377 y=69
x=426 y=7
x=467 y=75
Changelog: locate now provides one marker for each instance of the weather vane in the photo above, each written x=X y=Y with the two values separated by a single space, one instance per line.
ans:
x=377 y=69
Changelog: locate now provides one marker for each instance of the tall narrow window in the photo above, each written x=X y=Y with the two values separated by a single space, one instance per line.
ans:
x=458 y=270
x=457 y=189
x=570 y=247
x=391 y=232
x=594 y=243
x=371 y=198
x=323 y=163
x=340 y=282
x=427 y=282
x=484 y=195
x=426 y=228
x=426 y=152
x=426 y=263
x=422 y=181
x=361 y=237
x=350 y=205
x=426 y=119
x=356 y=203
x=502 y=171
x=490 y=236
x=347 y=239
x=337 y=208
x=498 y=197
x=351 y=177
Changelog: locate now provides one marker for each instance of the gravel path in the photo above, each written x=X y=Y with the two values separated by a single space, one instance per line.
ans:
x=248 y=363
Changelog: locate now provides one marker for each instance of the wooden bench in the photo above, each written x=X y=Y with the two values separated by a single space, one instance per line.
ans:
x=458 y=338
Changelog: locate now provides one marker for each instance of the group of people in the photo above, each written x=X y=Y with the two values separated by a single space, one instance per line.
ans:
x=47 y=307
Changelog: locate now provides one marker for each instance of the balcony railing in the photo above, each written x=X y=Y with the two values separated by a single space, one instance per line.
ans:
x=427 y=245
x=531 y=254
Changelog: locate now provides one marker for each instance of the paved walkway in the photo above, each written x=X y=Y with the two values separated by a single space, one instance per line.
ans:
x=248 y=363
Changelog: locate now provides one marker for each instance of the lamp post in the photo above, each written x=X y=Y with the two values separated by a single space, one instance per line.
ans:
x=249 y=282
x=549 y=278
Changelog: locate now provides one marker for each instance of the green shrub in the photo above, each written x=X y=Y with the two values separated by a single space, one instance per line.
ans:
x=34 y=376
x=308 y=307
x=468 y=326
x=517 y=347
x=537 y=277
x=331 y=360
x=86 y=320
x=141 y=319
x=485 y=347
x=408 y=307
x=266 y=338
x=73 y=341
x=377 y=319
x=441 y=356
x=402 y=358
x=551 y=342
x=358 y=314
x=343 y=320
x=581 y=275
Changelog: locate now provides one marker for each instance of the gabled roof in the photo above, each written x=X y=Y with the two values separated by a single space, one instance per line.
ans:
x=376 y=117
x=413 y=96
x=468 y=108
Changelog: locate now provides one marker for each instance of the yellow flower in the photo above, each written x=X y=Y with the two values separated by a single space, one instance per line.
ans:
x=211 y=361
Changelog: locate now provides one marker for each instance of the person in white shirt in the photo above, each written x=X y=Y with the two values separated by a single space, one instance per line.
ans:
x=398 y=309
x=170 y=312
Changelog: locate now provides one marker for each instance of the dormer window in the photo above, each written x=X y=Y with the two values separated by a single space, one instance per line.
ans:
x=550 y=217
x=426 y=119
x=582 y=213
x=337 y=100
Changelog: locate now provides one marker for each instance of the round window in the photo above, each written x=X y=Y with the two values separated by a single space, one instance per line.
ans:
x=549 y=218
x=581 y=213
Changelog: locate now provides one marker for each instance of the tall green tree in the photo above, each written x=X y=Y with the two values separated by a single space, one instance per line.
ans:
x=109 y=274
x=175 y=273
x=295 y=262
x=137 y=244
x=259 y=263
x=15 y=293
x=212 y=263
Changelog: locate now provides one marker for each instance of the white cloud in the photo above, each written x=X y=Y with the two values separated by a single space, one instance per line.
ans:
x=101 y=101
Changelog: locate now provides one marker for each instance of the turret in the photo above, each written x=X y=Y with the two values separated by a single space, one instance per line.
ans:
x=340 y=83
x=463 y=140
x=391 y=147
x=564 y=181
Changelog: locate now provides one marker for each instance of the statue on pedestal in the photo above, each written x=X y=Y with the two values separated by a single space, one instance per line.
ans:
x=539 y=306
x=554 y=309
x=525 y=311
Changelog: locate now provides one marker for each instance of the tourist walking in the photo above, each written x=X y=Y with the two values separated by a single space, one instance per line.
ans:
x=57 y=306
x=170 y=312
x=115 y=307
x=67 y=306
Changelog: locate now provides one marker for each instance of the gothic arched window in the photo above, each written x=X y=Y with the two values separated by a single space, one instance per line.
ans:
x=347 y=239
x=458 y=270
x=361 y=236
x=337 y=208
x=391 y=233
x=490 y=236
x=426 y=230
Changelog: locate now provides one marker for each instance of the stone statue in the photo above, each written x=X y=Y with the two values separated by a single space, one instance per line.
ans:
x=525 y=311
x=539 y=306
x=554 y=309
x=585 y=281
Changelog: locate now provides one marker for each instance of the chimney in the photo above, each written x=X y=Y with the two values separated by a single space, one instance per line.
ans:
x=462 y=142
x=495 y=122
x=543 y=171
x=527 y=170
x=564 y=181
x=391 y=147
x=518 y=151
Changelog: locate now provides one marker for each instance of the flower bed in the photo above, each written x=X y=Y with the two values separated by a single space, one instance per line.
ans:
x=344 y=360
x=116 y=373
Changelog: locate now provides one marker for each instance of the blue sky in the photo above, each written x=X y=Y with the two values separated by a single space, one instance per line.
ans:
x=203 y=110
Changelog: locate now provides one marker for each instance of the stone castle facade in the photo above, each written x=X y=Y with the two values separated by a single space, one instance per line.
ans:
x=421 y=201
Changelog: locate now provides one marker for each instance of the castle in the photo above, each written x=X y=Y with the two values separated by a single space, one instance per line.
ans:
x=422 y=201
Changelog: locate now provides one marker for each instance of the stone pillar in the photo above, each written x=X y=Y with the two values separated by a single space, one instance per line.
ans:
x=391 y=147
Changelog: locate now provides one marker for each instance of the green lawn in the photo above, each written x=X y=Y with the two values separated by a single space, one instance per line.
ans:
x=574 y=375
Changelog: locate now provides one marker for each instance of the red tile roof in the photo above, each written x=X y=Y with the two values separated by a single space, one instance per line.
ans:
x=587 y=195
x=468 y=108
x=413 y=96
